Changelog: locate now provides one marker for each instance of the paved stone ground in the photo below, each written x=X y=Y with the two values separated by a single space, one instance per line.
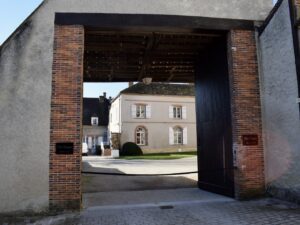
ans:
x=149 y=197
x=209 y=211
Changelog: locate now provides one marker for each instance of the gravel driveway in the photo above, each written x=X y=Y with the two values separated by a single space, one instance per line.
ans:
x=92 y=183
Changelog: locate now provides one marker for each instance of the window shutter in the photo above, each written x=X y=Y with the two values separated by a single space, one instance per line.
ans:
x=133 y=111
x=184 y=113
x=170 y=112
x=185 y=136
x=148 y=111
x=171 y=136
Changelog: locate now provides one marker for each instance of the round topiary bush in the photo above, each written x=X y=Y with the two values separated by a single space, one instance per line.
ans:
x=131 y=149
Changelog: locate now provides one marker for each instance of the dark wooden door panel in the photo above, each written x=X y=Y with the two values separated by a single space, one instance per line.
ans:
x=214 y=134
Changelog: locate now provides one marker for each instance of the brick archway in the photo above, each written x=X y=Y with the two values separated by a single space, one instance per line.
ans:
x=66 y=107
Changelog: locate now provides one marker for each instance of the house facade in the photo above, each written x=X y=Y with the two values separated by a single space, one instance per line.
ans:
x=95 y=122
x=158 y=117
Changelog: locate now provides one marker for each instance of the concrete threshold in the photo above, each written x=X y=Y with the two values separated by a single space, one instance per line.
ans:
x=155 y=205
x=149 y=198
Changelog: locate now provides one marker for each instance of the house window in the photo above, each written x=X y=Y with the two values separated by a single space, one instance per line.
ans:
x=140 y=111
x=178 y=136
x=141 y=136
x=177 y=112
x=94 y=121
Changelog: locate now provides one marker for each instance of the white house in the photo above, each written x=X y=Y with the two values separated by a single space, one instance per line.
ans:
x=95 y=122
x=158 y=117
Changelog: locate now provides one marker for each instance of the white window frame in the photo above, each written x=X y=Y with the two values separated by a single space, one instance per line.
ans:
x=140 y=111
x=178 y=135
x=140 y=136
x=94 y=121
x=177 y=112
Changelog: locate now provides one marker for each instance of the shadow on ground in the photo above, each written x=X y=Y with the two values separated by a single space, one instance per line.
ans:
x=92 y=183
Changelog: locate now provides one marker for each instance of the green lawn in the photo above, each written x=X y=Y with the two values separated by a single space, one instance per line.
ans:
x=162 y=156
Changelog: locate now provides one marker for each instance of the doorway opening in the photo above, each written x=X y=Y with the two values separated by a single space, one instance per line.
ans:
x=164 y=49
x=164 y=63
x=152 y=138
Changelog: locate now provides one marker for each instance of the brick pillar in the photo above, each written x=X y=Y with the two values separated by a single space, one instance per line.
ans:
x=246 y=114
x=66 y=107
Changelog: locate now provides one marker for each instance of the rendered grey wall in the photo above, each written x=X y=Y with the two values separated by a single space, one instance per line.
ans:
x=281 y=119
x=25 y=86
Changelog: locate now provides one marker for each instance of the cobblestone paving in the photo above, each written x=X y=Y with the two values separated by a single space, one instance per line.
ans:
x=262 y=212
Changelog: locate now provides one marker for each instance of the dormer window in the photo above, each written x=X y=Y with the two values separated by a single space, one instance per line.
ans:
x=94 y=121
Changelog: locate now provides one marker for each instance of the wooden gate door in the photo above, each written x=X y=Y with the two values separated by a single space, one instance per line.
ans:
x=214 y=134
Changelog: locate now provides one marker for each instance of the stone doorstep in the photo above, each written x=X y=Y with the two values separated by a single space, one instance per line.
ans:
x=107 y=152
x=111 y=153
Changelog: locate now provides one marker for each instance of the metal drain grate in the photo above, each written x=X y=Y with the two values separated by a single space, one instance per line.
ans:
x=166 y=207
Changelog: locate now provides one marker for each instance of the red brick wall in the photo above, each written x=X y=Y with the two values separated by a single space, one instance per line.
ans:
x=246 y=113
x=66 y=107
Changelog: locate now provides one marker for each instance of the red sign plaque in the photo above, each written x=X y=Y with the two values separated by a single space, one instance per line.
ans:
x=250 y=139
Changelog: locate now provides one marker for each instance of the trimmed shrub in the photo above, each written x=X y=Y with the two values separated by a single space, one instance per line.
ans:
x=131 y=149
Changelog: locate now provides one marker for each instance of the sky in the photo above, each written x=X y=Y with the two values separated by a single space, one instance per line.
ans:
x=92 y=90
x=14 y=12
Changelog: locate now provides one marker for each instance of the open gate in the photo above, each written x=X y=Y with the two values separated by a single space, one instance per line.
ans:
x=215 y=156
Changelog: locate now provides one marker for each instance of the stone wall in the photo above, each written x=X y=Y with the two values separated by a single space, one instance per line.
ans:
x=279 y=90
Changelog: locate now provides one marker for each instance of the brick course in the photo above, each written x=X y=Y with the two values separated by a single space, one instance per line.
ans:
x=66 y=113
x=246 y=113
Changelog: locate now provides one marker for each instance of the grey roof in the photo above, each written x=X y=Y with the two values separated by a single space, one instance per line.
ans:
x=95 y=107
x=161 y=89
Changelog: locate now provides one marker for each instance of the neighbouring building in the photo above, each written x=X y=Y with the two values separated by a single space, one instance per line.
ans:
x=159 y=117
x=95 y=122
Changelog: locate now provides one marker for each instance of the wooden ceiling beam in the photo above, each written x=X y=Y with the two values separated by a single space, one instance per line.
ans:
x=96 y=31
x=111 y=56
x=151 y=44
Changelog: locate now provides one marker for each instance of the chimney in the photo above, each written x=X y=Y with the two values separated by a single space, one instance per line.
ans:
x=130 y=84
x=104 y=94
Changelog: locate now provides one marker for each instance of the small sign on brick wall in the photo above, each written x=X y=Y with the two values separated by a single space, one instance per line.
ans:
x=250 y=139
x=66 y=148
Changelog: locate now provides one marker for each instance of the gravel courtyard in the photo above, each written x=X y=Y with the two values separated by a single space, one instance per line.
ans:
x=92 y=183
